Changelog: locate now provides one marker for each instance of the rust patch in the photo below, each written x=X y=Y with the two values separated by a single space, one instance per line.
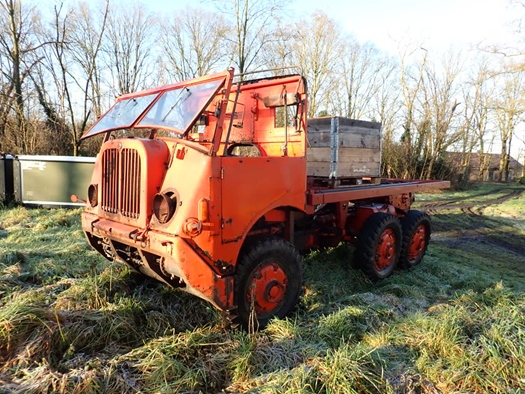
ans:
x=224 y=267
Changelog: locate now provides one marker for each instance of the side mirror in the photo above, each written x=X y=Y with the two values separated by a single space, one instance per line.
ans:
x=278 y=100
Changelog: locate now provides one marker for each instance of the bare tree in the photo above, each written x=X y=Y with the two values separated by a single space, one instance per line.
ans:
x=89 y=25
x=317 y=49
x=279 y=52
x=411 y=85
x=509 y=108
x=193 y=43
x=128 y=46
x=440 y=113
x=18 y=46
x=72 y=69
x=386 y=109
x=477 y=94
x=253 y=27
x=362 y=66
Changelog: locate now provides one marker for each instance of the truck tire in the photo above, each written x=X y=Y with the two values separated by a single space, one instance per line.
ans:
x=378 y=245
x=268 y=283
x=416 y=236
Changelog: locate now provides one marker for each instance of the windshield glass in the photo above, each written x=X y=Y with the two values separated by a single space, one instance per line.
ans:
x=177 y=108
x=173 y=108
x=123 y=114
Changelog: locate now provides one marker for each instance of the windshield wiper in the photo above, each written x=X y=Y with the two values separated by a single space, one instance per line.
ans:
x=179 y=101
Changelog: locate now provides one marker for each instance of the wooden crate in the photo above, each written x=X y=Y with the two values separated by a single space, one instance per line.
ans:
x=343 y=148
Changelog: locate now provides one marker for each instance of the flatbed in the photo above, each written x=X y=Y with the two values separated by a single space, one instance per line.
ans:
x=388 y=187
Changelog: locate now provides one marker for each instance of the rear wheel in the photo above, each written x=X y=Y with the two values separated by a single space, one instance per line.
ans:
x=378 y=245
x=416 y=236
x=268 y=282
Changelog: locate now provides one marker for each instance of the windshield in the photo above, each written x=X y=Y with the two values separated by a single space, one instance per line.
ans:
x=174 y=108
x=122 y=115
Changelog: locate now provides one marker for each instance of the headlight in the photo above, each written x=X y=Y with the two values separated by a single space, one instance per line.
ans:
x=93 y=195
x=164 y=206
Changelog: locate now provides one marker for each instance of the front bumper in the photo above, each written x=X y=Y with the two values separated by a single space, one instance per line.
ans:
x=165 y=257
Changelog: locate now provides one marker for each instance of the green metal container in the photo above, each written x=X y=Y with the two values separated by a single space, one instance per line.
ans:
x=51 y=180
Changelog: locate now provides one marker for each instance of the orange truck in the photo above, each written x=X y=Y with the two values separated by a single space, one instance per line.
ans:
x=216 y=185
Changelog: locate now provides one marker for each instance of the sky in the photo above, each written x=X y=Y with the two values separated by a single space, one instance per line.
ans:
x=438 y=24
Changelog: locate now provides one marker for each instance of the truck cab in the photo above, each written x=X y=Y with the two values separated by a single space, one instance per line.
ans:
x=190 y=173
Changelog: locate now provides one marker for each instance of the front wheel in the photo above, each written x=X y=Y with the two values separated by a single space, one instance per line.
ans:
x=416 y=236
x=379 y=245
x=268 y=282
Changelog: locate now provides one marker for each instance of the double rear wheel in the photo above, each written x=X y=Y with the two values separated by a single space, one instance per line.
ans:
x=386 y=242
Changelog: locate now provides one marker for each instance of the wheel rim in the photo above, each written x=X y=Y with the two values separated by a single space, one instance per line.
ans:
x=386 y=250
x=266 y=288
x=417 y=243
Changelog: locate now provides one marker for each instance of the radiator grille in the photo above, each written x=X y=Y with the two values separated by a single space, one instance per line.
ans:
x=121 y=183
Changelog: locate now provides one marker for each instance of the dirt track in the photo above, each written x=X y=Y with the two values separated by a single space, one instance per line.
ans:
x=473 y=226
x=468 y=207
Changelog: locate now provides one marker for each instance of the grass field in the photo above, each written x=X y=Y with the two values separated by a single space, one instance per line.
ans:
x=71 y=322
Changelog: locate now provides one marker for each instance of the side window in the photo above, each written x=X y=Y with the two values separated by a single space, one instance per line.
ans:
x=286 y=116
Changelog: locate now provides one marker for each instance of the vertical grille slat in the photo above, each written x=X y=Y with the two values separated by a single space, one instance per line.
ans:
x=124 y=192
x=115 y=182
x=121 y=183
x=136 y=195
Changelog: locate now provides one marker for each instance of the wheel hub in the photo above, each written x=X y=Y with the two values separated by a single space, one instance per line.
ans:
x=274 y=291
x=417 y=243
x=267 y=288
x=386 y=249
